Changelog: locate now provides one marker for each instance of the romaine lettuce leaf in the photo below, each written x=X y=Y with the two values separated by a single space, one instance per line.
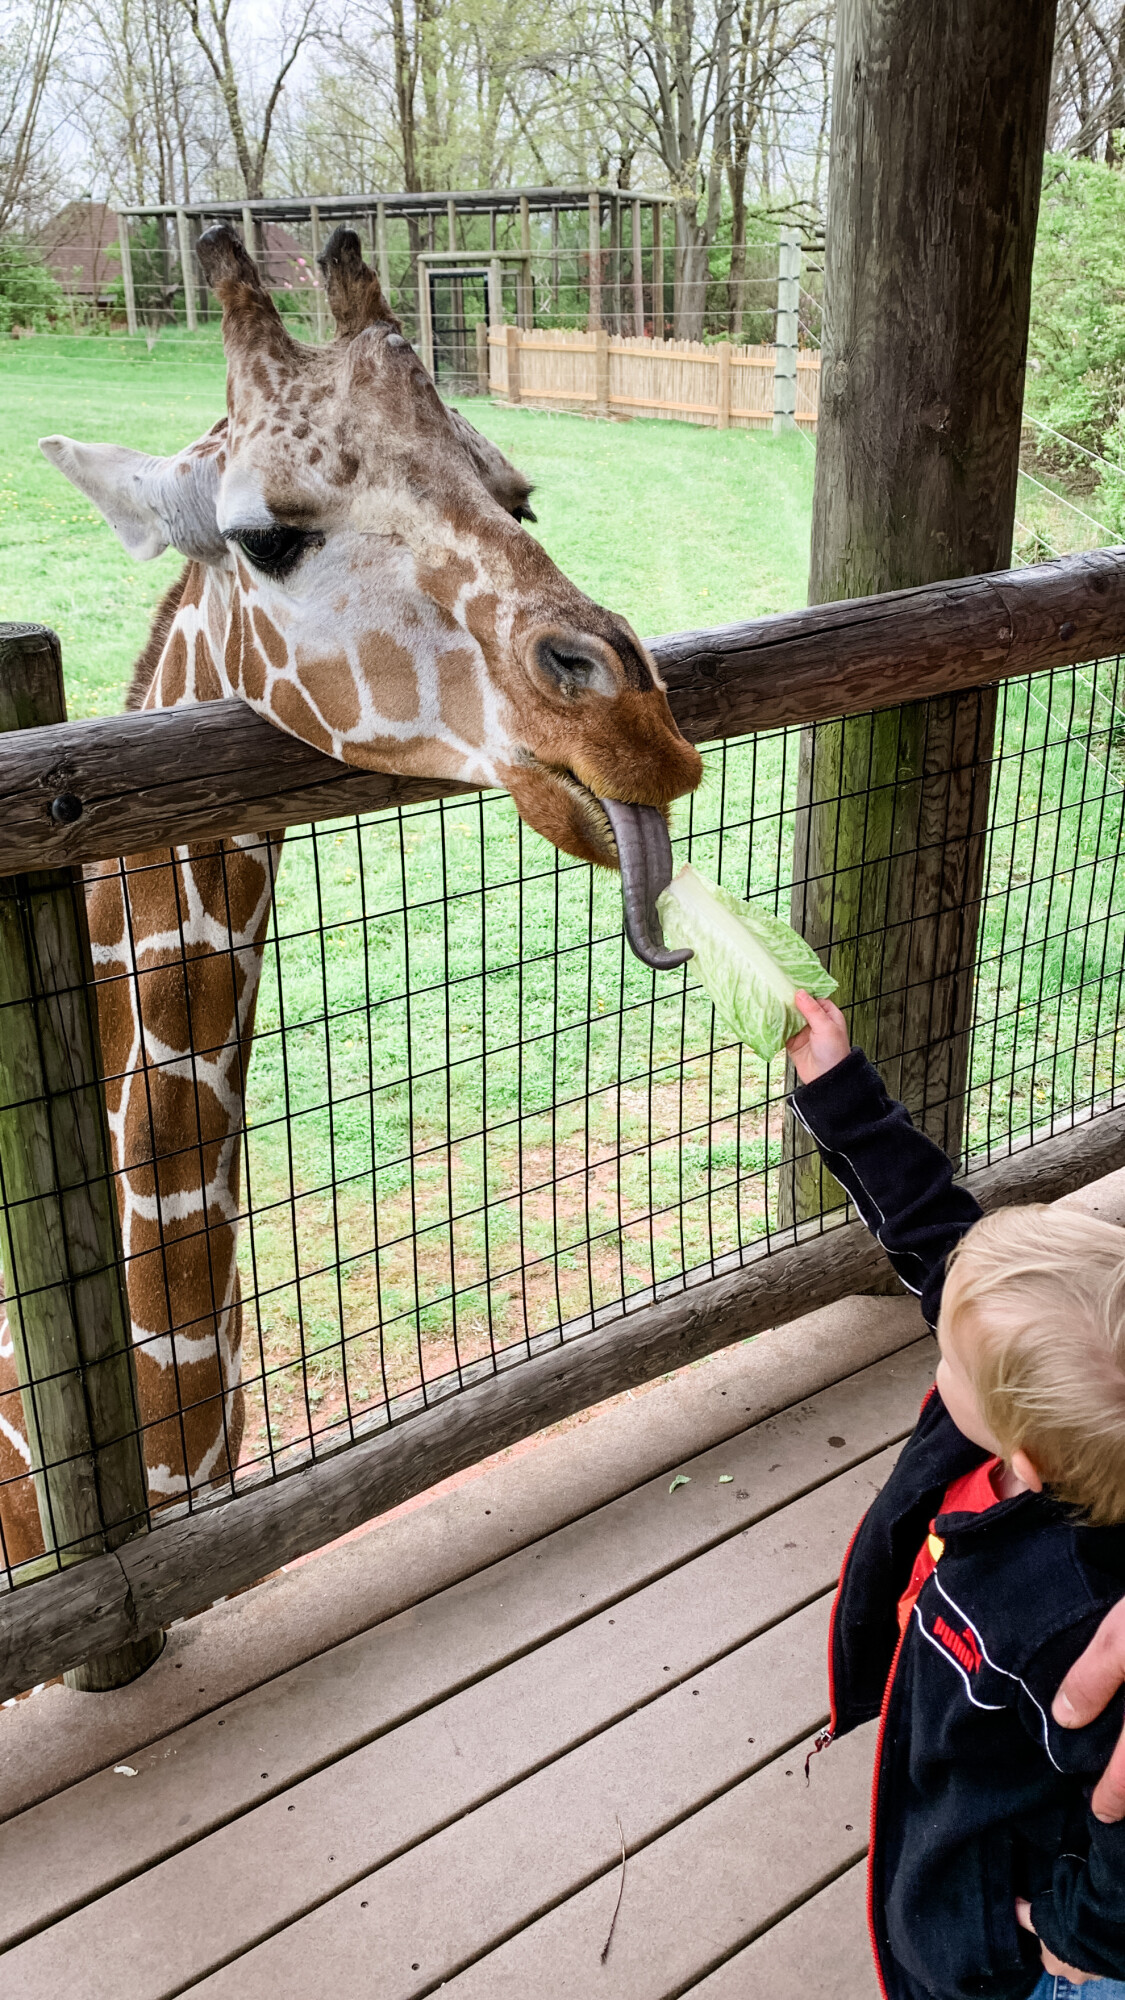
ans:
x=749 y=961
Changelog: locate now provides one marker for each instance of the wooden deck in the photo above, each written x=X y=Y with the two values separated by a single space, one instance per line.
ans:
x=408 y=1765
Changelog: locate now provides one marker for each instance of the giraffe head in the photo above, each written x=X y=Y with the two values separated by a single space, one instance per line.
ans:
x=362 y=577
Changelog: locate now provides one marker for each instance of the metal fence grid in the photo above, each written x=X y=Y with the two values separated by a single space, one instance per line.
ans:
x=475 y=1125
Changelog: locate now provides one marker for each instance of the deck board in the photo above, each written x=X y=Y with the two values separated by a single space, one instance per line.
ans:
x=731 y=1870
x=500 y=1869
x=821 y=1951
x=225 y=1768
x=459 y=1768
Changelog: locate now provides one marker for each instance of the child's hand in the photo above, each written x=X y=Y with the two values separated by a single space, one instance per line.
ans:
x=824 y=1043
x=1051 y=1964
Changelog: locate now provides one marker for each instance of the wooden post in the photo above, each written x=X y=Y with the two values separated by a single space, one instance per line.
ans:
x=658 y=270
x=638 y=275
x=601 y=373
x=59 y=1234
x=594 y=279
x=187 y=271
x=527 y=308
x=495 y=292
x=382 y=257
x=127 y=272
x=425 y=315
x=938 y=126
x=723 y=411
x=482 y=357
x=785 y=333
x=318 y=294
x=451 y=221
x=513 y=338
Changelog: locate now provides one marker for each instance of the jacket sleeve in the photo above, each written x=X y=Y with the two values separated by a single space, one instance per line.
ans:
x=900 y=1182
x=1081 y=1916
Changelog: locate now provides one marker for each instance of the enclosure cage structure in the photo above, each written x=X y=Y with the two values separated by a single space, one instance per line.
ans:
x=452 y=261
x=495 y=1170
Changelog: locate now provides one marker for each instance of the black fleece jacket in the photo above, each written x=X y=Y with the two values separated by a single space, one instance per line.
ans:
x=979 y=1796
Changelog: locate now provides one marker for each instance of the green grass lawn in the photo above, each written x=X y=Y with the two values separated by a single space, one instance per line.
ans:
x=671 y=525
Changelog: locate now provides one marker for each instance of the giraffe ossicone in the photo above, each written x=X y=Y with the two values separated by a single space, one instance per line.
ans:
x=357 y=571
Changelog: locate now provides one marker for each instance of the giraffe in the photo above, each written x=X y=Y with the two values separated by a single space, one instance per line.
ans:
x=356 y=570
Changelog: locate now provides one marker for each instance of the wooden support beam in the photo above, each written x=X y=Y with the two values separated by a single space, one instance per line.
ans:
x=160 y=775
x=658 y=270
x=127 y=272
x=382 y=257
x=594 y=257
x=938 y=124
x=512 y=334
x=60 y=1244
x=482 y=357
x=526 y=314
x=187 y=268
x=318 y=295
x=638 y=275
x=722 y=418
x=183 y=1566
x=601 y=373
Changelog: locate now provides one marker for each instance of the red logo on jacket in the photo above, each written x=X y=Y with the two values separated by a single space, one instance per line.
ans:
x=962 y=1645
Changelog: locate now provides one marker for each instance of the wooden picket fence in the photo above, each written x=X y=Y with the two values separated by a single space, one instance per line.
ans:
x=723 y=386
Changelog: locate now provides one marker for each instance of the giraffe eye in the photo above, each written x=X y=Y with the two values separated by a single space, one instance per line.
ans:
x=275 y=550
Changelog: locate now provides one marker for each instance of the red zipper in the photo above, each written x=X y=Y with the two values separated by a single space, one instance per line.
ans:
x=874 y=1814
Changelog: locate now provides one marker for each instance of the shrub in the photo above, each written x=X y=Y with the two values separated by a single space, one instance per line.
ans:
x=1076 y=379
x=30 y=295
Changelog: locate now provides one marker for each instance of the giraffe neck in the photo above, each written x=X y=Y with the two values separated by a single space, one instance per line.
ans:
x=178 y=944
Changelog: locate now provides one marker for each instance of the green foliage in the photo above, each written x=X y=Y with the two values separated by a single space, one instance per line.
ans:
x=1111 y=494
x=1077 y=347
x=30 y=296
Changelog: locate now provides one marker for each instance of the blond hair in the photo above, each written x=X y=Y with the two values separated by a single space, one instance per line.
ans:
x=1035 y=1307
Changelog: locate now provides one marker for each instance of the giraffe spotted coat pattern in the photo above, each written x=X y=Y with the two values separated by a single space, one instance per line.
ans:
x=357 y=571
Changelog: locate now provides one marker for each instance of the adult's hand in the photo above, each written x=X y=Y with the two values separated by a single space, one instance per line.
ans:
x=1093 y=1679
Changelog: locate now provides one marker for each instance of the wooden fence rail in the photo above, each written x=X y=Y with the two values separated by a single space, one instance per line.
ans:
x=724 y=386
x=146 y=779
x=221 y=769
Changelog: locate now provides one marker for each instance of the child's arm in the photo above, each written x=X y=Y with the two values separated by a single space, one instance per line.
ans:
x=899 y=1180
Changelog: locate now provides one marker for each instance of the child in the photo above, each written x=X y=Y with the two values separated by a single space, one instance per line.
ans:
x=981 y=1570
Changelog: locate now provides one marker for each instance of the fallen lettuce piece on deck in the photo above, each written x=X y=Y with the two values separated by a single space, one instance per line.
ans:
x=750 y=962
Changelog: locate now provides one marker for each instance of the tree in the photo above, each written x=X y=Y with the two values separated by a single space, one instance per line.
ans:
x=672 y=74
x=212 y=31
x=26 y=55
x=1087 y=105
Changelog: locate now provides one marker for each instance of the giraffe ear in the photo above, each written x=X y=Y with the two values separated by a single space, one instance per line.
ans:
x=150 y=503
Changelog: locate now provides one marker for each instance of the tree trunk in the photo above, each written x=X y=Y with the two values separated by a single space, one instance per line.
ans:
x=938 y=125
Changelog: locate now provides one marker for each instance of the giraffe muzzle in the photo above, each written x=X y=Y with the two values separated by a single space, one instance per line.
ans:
x=644 y=853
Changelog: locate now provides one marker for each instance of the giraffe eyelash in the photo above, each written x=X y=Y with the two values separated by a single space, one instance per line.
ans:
x=276 y=550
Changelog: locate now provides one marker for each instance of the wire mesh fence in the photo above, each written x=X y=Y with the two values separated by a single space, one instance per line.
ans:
x=75 y=281
x=475 y=1126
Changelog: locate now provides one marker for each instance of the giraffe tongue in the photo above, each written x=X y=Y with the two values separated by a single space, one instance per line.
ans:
x=644 y=852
